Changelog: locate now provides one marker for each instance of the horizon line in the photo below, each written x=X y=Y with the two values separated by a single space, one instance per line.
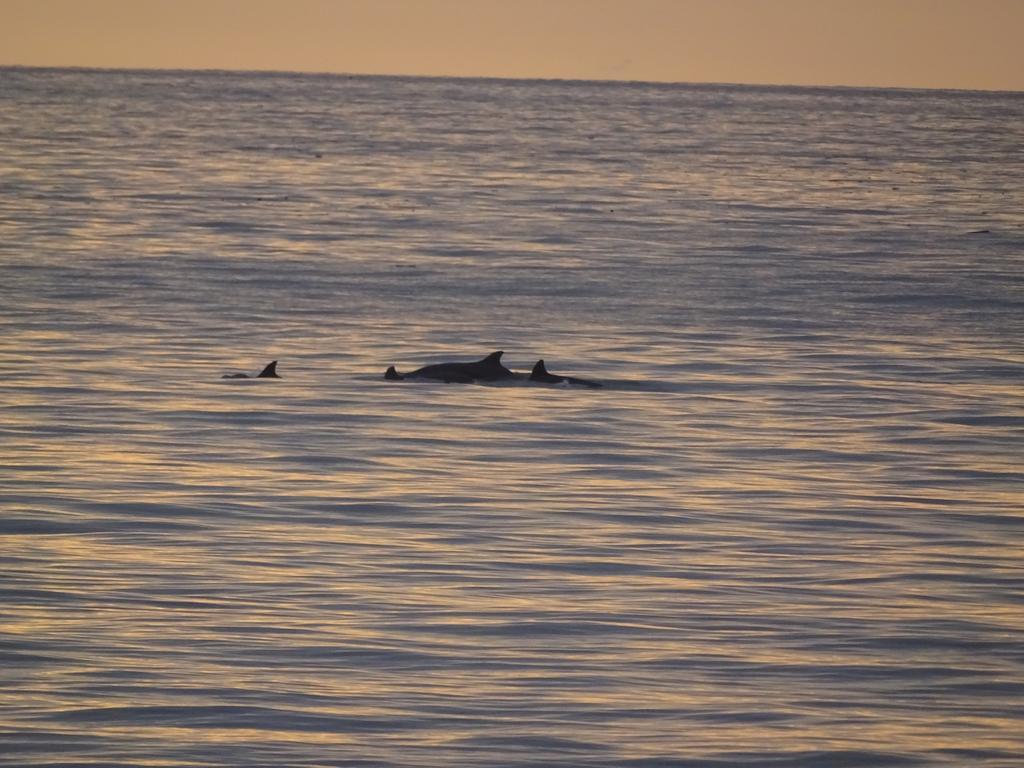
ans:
x=506 y=78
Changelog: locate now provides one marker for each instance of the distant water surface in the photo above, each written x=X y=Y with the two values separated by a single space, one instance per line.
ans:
x=787 y=532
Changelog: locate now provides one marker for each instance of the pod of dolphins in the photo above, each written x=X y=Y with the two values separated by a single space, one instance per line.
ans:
x=486 y=369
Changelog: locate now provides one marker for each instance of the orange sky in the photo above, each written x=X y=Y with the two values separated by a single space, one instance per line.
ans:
x=975 y=44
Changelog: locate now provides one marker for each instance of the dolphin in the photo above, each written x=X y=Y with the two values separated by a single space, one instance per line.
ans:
x=540 y=373
x=270 y=372
x=487 y=369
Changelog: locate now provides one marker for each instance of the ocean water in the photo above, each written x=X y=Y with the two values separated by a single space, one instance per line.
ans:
x=787 y=531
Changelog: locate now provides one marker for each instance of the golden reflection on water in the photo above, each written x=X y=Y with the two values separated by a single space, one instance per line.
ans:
x=786 y=526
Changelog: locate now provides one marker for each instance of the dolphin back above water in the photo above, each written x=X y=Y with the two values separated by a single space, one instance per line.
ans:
x=487 y=369
x=269 y=372
x=540 y=373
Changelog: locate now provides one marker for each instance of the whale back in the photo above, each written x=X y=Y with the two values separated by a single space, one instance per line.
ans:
x=486 y=369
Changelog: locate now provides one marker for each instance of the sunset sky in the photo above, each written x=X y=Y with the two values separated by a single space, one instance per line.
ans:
x=973 y=44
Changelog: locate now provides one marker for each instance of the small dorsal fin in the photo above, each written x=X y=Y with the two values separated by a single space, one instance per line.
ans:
x=270 y=372
x=494 y=358
x=391 y=374
x=539 y=369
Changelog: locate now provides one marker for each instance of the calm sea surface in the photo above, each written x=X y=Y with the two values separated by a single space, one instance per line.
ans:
x=787 y=532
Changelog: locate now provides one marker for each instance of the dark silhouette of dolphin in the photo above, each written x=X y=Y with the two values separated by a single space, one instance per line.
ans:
x=540 y=373
x=270 y=372
x=487 y=369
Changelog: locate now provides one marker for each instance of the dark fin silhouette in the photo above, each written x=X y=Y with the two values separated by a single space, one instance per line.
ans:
x=392 y=375
x=270 y=372
x=540 y=373
x=490 y=368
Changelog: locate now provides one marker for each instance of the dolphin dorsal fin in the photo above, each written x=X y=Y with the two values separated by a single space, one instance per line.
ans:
x=539 y=369
x=270 y=372
x=494 y=358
